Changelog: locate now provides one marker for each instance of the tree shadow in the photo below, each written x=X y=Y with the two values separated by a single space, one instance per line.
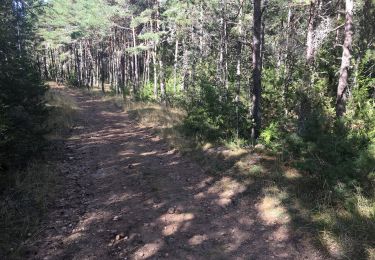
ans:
x=146 y=201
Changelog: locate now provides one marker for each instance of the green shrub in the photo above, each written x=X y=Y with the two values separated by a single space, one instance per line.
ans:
x=72 y=81
x=270 y=134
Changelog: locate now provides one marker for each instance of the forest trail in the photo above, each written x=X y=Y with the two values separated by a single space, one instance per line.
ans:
x=129 y=196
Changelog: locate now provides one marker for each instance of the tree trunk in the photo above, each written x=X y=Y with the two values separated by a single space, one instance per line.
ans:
x=238 y=71
x=185 y=65
x=175 y=66
x=286 y=63
x=311 y=33
x=257 y=81
x=342 y=87
x=136 y=77
x=102 y=76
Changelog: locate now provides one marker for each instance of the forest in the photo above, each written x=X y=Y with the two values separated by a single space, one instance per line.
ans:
x=273 y=99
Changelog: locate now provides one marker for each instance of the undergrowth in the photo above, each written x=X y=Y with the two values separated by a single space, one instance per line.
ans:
x=329 y=196
x=33 y=188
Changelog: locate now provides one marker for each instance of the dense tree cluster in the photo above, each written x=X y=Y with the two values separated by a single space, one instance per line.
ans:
x=22 y=110
x=266 y=70
x=163 y=50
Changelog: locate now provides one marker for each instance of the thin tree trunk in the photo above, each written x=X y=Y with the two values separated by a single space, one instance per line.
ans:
x=238 y=72
x=311 y=33
x=102 y=70
x=135 y=86
x=257 y=82
x=161 y=67
x=45 y=65
x=175 y=65
x=342 y=88
x=185 y=65
x=286 y=63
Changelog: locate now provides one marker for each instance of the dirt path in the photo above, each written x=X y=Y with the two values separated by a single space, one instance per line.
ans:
x=128 y=196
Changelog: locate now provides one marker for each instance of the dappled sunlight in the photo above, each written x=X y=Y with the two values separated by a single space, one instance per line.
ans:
x=331 y=243
x=173 y=221
x=272 y=211
x=150 y=202
x=197 y=239
x=292 y=173
x=118 y=197
x=148 y=250
x=225 y=152
x=365 y=207
x=83 y=226
x=226 y=189
x=149 y=153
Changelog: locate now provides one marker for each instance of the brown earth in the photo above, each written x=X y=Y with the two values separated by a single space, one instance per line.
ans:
x=127 y=195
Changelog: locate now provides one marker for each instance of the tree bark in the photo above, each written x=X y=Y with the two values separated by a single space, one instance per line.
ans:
x=257 y=81
x=135 y=86
x=238 y=70
x=311 y=33
x=342 y=87
x=175 y=65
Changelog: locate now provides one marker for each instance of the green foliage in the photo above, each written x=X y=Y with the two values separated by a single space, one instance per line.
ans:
x=65 y=21
x=146 y=93
x=22 y=109
x=270 y=134
x=72 y=80
x=213 y=117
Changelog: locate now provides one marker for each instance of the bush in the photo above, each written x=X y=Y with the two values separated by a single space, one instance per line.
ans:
x=215 y=117
x=72 y=81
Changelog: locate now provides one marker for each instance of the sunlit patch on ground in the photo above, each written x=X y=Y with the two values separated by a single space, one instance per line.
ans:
x=148 y=250
x=365 y=207
x=292 y=173
x=333 y=246
x=226 y=189
x=371 y=252
x=281 y=234
x=81 y=227
x=197 y=239
x=271 y=210
x=173 y=221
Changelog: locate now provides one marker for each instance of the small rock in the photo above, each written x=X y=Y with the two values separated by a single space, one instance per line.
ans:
x=120 y=236
x=115 y=218
x=131 y=166
x=259 y=146
x=172 y=210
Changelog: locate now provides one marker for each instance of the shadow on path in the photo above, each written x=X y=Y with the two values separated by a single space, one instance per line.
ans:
x=135 y=198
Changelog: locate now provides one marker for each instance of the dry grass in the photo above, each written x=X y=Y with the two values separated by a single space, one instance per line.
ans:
x=62 y=112
x=164 y=120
